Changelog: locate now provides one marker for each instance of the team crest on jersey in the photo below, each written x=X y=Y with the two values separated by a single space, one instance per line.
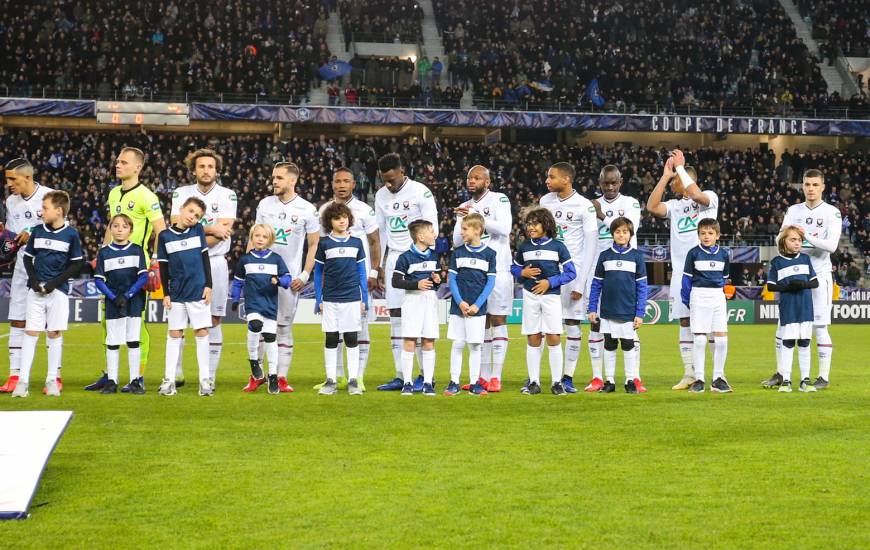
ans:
x=395 y=206
x=819 y=222
x=609 y=213
x=473 y=261
x=558 y=214
x=214 y=207
x=486 y=211
x=570 y=215
x=686 y=210
x=28 y=215
x=694 y=206
x=537 y=252
x=406 y=205
x=47 y=242
x=809 y=221
x=795 y=269
x=131 y=205
x=341 y=250
x=294 y=218
x=121 y=261
x=261 y=267
x=618 y=263
x=282 y=216
x=712 y=264
x=621 y=212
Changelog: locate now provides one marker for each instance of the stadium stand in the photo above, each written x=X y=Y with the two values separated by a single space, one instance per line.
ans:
x=845 y=24
x=167 y=50
x=755 y=192
x=381 y=20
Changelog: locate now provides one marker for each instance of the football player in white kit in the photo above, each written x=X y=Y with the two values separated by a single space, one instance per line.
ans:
x=610 y=206
x=365 y=227
x=400 y=201
x=205 y=165
x=577 y=226
x=23 y=212
x=496 y=211
x=684 y=212
x=821 y=224
x=295 y=221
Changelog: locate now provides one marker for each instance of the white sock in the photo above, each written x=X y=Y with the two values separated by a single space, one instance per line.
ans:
x=609 y=365
x=486 y=356
x=474 y=351
x=629 y=357
x=339 y=359
x=261 y=349
x=15 y=336
x=533 y=362
x=699 y=355
x=113 y=359
x=456 y=350
x=329 y=357
x=179 y=371
x=499 y=349
x=595 y=345
x=253 y=345
x=134 y=358
x=28 y=350
x=271 y=349
x=202 y=357
x=364 y=346
x=352 y=362
x=778 y=347
x=720 y=344
x=407 y=358
x=637 y=358
x=173 y=349
x=825 y=348
x=556 y=362
x=784 y=363
x=285 y=350
x=428 y=365
x=804 y=361
x=418 y=352
x=396 y=345
x=55 y=355
x=686 y=353
x=573 y=343
x=215 y=346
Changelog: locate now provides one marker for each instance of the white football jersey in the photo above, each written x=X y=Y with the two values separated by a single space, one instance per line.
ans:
x=364 y=223
x=23 y=214
x=822 y=223
x=292 y=221
x=575 y=220
x=395 y=211
x=620 y=207
x=684 y=215
x=496 y=211
x=220 y=203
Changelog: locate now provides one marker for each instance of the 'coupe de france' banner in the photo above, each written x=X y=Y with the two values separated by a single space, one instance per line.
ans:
x=513 y=119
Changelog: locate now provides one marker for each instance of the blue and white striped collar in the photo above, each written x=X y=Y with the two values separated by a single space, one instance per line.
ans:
x=115 y=246
x=261 y=254
x=339 y=239
x=616 y=248
x=475 y=249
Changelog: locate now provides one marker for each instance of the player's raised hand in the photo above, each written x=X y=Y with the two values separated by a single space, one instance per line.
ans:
x=541 y=287
x=668 y=171
x=678 y=158
x=530 y=272
x=206 y=295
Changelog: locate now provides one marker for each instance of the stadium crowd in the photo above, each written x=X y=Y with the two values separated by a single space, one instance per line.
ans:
x=381 y=21
x=754 y=191
x=167 y=47
x=703 y=54
x=843 y=24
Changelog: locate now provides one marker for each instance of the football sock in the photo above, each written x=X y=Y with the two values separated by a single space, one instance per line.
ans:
x=179 y=372
x=55 y=354
x=352 y=361
x=15 y=336
x=396 y=344
x=456 y=350
x=533 y=362
x=804 y=361
x=595 y=345
x=202 y=357
x=778 y=348
x=28 y=350
x=113 y=358
x=629 y=357
x=173 y=350
x=271 y=356
x=134 y=359
x=364 y=346
x=573 y=343
x=474 y=352
x=329 y=355
x=485 y=356
x=785 y=360
x=720 y=345
x=215 y=346
x=285 y=350
x=428 y=365
x=610 y=365
x=637 y=358
x=339 y=359
x=686 y=353
x=407 y=358
x=254 y=339
x=499 y=349
x=554 y=354
x=699 y=355
x=825 y=348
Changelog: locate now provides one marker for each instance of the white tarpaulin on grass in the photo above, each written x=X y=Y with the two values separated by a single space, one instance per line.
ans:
x=27 y=439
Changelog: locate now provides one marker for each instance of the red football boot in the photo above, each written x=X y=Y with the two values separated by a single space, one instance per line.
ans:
x=639 y=385
x=494 y=385
x=595 y=385
x=283 y=386
x=481 y=381
x=10 y=384
x=253 y=384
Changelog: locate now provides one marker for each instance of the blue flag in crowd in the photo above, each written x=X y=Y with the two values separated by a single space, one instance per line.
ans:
x=542 y=85
x=594 y=93
x=334 y=69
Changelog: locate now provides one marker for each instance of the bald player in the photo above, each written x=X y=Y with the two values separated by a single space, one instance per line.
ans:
x=690 y=206
x=495 y=208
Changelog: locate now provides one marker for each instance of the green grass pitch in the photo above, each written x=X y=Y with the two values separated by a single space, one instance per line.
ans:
x=754 y=469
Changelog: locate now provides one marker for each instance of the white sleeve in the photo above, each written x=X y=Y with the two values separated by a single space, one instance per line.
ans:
x=428 y=208
x=714 y=199
x=832 y=238
x=788 y=219
x=669 y=205
x=370 y=223
x=503 y=223
x=381 y=222
x=312 y=224
x=590 y=249
x=457 y=232
x=175 y=209
x=634 y=215
x=258 y=216
x=231 y=205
